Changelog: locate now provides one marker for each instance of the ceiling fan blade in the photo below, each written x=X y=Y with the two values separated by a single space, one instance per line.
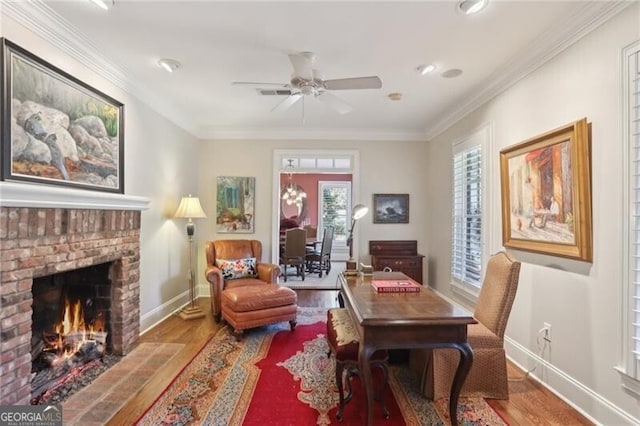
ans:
x=302 y=64
x=372 y=82
x=334 y=103
x=253 y=83
x=287 y=102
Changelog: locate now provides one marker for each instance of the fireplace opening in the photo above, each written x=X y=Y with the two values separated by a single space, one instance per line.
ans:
x=70 y=327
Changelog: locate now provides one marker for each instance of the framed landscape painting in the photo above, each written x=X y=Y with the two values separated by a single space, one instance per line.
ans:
x=235 y=204
x=61 y=131
x=546 y=193
x=390 y=208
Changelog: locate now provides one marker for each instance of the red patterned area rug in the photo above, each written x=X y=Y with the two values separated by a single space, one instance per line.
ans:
x=278 y=377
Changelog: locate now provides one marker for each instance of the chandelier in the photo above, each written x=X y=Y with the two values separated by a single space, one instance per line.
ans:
x=292 y=193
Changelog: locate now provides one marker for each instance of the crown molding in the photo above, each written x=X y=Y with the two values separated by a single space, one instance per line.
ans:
x=567 y=32
x=36 y=16
x=43 y=21
x=312 y=134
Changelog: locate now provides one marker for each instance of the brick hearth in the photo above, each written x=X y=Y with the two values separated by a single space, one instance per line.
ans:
x=36 y=242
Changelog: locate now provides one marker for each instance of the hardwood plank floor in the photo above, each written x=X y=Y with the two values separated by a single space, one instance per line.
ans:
x=529 y=403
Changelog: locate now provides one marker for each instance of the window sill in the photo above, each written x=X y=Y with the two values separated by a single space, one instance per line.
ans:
x=629 y=383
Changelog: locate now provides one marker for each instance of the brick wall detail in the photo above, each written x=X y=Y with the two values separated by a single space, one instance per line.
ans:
x=36 y=242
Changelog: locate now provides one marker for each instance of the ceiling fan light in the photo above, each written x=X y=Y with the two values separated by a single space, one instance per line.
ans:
x=469 y=7
x=100 y=3
x=169 y=65
x=425 y=69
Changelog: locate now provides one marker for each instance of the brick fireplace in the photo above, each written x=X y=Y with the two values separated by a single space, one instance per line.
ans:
x=36 y=242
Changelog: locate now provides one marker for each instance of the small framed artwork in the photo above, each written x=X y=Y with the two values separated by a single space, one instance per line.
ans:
x=546 y=193
x=58 y=130
x=235 y=204
x=390 y=208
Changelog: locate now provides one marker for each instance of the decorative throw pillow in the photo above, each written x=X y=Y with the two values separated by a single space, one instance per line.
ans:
x=237 y=268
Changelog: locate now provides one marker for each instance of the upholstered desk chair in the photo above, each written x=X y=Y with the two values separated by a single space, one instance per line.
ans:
x=342 y=338
x=230 y=264
x=488 y=375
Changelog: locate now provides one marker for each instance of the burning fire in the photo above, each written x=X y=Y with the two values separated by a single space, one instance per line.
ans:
x=71 y=332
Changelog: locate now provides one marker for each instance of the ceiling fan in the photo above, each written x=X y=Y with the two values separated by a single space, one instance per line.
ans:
x=307 y=81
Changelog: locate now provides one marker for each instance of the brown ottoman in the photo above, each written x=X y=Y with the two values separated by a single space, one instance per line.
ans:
x=258 y=305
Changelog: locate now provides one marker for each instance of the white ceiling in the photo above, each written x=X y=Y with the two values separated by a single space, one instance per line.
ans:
x=221 y=42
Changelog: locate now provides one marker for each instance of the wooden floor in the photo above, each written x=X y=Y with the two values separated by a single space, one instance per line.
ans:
x=529 y=403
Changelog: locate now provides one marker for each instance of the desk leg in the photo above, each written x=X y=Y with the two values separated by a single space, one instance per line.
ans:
x=364 y=356
x=466 y=359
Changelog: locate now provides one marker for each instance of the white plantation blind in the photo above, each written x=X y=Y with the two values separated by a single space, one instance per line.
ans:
x=335 y=206
x=634 y=201
x=466 y=257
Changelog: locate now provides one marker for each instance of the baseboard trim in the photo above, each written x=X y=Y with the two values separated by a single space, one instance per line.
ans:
x=162 y=312
x=561 y=384
x=601 y=410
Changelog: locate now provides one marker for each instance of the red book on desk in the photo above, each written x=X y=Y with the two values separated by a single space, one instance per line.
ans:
x=396 y=286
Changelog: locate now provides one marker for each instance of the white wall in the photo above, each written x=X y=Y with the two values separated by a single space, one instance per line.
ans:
x=160 y=164
x=385 y=167
x=579 y=300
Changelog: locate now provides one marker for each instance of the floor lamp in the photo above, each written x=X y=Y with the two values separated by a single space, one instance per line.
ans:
x=358 y=213
x=190 y=208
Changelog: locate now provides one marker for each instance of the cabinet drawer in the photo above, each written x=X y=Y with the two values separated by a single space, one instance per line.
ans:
x=395 y=263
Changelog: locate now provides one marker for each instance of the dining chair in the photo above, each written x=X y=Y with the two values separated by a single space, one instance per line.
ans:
x=320 y=260
x=488 y=375
x=294 y=252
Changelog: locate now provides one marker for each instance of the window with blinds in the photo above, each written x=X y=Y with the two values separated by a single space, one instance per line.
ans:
x=466 y=262
x=334 y=205
x=631 y=215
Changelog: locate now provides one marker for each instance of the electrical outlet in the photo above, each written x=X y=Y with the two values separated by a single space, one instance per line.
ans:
x=546 y=327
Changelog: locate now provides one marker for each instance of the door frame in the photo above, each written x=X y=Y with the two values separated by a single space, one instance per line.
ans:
x=279 y=167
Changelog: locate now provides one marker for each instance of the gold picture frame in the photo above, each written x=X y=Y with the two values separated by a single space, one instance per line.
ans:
x=546 y=193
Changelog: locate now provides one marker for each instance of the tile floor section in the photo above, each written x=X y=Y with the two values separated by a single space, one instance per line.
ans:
x=98 y=402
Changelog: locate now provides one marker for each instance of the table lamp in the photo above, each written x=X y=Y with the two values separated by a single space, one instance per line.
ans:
x=358 y=212
x=190 y=208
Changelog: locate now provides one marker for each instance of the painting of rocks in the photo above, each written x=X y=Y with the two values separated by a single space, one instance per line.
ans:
x=62 y=131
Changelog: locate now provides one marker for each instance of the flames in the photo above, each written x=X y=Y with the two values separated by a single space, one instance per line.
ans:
x=72 y=333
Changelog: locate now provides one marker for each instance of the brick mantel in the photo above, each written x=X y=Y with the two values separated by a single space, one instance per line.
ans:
x=36 y=242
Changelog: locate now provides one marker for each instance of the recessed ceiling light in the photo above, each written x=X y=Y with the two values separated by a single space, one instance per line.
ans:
x=425 y=69
x=469 y=7
x=395 y=96
x=169 y=65
x=100 y=3
x=453 y=72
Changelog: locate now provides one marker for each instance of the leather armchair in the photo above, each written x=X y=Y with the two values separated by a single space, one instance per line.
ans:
x=235 y=249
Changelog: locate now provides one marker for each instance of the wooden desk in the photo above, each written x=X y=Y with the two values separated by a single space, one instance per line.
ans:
x=405 y=320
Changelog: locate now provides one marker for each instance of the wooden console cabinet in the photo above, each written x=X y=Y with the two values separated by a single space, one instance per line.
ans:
x=399 y=255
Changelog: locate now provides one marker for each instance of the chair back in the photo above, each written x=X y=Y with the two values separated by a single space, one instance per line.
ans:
x=498 y=292
x=295 y=243
x=327 y=242
x=312 y=231
x=233 y=249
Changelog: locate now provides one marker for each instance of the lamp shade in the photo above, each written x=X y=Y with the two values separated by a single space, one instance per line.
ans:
x=359 y=211
x=190 y=208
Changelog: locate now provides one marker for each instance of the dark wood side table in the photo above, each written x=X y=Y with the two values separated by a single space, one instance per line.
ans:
x=399 y=255
x=405 y=320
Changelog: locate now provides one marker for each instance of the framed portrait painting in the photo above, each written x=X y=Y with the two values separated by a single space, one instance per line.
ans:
x=61 y=131
x=546 y=193
x=235 y=204
x=390 y=208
